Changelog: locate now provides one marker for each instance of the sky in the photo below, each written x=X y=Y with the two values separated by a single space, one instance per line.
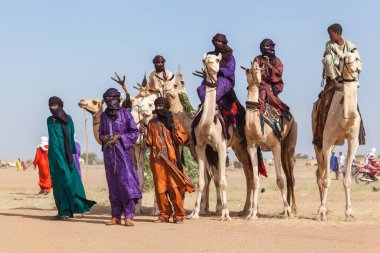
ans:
x=71 y=48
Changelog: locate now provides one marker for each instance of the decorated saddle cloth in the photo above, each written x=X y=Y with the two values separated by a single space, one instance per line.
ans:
x=273 y=117
x=233 y=114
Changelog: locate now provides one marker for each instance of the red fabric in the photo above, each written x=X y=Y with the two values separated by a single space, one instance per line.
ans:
x=41 y=160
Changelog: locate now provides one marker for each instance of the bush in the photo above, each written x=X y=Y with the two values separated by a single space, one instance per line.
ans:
x=191 y=169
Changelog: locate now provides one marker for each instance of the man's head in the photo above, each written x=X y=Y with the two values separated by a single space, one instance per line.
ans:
x=335 y=32
x=333 y=153
x=340 y=153
x=55 y=103
x=219 y=40
x=112 y=98
x=161 y=103
x=267 y=48
x=159 y=63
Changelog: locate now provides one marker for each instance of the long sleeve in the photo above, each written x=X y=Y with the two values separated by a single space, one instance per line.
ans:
x=71 y=131
x=37 y=157
x=277 y=71
x=180 y=135
x=129 y=138
x=229 y=70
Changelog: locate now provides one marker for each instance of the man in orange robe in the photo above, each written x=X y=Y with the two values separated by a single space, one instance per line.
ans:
x=41 y=160
x=164 y=135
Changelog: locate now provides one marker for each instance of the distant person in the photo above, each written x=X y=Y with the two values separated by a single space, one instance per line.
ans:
x=41 y=161
x=24 y=165
x=76 y=157
x=372 y=164
x=341 y=164
x=334 y=165
x=118 y=133
x=18 y=165
x=69 y=194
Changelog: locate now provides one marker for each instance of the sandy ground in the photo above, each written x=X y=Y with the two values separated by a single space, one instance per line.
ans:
x=27 y=225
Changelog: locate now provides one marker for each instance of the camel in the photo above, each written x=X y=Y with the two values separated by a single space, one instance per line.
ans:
x=342 y=123
x=283 y=150
x=209 y=136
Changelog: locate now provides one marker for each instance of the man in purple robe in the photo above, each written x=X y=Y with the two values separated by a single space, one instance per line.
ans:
x=225 y=94
x=76 y=157
x=118 y=133
x=232 y=111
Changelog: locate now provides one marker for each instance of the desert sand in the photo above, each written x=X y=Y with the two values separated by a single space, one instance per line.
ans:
x=27 y=224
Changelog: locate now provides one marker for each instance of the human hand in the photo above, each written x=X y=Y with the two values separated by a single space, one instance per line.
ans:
x=115 y=139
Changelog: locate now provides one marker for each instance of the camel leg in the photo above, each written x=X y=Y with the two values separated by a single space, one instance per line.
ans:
x=352 y=147
x=252 y=150
x=139 y=158
x=320 y=172
x=280 y=180
x=204 y=206
x=288 y=154
x=222 y=153
x=219 y=207
x=201 y=154
x=242 y=155
x=327 y=148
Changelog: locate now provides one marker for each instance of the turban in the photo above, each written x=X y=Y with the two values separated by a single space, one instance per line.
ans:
x=161 y=101
x=56 y=100
x=158 y=58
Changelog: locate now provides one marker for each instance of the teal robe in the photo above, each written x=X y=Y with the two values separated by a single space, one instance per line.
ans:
x=68 y=189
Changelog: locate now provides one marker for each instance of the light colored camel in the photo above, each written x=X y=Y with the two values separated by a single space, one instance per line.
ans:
x=343 y=123
x=210 y=133
x=283 y=150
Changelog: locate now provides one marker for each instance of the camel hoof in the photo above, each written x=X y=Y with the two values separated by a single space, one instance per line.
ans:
x=193 y=216
x=225 y=218
x=350 y=217
x=252 y=216
x=225 y=215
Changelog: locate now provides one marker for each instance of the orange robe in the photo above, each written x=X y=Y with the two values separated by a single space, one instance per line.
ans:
x=41 y=160
x=165 y=182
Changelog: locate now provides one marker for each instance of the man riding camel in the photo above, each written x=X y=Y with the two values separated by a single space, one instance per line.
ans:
x=158 y=77
x=336 y=49
x=271 y=77
x=226 y=99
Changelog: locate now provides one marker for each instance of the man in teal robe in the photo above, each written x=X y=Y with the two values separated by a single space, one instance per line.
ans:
x=68 y=189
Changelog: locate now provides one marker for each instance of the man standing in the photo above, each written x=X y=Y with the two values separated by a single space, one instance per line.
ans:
x=158 y=77
x=69 y=194
x=164 y=135
x=336 y=49
x=118 y=133
x=41 y=161
x=334 y=165
x=341 y=164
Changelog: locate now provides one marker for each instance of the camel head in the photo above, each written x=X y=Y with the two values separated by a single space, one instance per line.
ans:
x=253 y=74
x=211 y=63
x=93 y=106
x=351 y=67
x=146 y=107
x=143 y=91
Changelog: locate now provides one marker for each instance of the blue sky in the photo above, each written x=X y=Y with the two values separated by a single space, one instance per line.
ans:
x=71 y=48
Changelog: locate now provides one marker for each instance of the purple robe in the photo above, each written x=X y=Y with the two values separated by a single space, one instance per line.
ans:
x=122 y=178
x=226 y=83
x=76 y=159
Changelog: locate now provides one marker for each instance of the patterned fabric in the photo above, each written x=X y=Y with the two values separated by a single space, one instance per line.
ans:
x=271 y=116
